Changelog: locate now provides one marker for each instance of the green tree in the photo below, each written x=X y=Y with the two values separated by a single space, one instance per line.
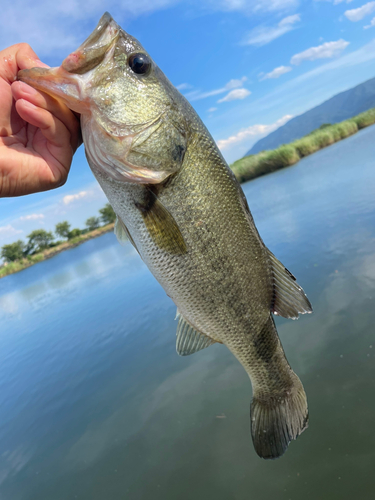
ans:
x=93 y=223
x=107 y=214
x=13 y=251
x=39 y=240
x=74 y=232
x=62 y=229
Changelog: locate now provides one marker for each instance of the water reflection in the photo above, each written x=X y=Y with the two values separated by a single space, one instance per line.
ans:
x=68 y=276
x=95 y=403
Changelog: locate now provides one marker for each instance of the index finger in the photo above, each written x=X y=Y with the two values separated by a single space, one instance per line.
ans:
x=16 y=57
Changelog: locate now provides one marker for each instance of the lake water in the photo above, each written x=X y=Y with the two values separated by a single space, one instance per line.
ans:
x=95 y=404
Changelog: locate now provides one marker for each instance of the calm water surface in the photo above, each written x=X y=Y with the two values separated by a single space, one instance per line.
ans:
x=96 y=404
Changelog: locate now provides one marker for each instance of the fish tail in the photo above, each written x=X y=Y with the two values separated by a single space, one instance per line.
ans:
x=276 y=419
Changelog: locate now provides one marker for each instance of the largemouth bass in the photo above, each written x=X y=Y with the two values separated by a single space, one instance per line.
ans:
x=183 y=210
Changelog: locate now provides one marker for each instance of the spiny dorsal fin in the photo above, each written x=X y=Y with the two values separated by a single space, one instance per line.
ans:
x=188 y=339
x=289 y=299
x=161 y=226
x=122 y=233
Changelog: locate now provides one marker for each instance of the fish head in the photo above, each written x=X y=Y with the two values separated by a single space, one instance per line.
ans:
x=133 y=125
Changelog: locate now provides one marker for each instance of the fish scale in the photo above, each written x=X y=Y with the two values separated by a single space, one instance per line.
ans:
x=181 y=207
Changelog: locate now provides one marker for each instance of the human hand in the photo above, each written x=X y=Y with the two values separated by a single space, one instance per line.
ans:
x=38 y=134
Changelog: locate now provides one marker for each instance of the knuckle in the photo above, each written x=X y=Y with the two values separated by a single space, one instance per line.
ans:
x=60 y=180
x=24 y=46
x=63 y=181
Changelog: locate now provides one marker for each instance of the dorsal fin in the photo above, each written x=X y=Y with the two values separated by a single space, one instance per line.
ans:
x=189 y=340
x=289 y=300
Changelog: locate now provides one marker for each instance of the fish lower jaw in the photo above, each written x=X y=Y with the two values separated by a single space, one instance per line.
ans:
x=59 y=84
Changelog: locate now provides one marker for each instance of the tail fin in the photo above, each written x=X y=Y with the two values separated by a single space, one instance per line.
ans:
x=277 y=419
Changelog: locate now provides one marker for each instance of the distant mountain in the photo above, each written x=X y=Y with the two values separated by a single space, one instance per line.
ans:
x=340 y=107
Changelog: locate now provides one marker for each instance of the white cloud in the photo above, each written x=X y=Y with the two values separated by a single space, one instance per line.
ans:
x=235 y=84
x=277 y=72
x=32 y=217
x=9 y=230
x=253 y=130
x=184 y=86
x=274 y=5
x=265 y=34
x=212 y=110
x=254 y=6
x=352 y=59
x=6 y=230
x=196 y=95
x=325 y=51
x=355 y=15
x=235 y=94
x=69 y=198
x=232 y=4
x=290 y=20
x=371 y=25
x=335 y=2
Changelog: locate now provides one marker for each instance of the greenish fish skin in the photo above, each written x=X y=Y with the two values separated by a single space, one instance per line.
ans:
x=186 y=215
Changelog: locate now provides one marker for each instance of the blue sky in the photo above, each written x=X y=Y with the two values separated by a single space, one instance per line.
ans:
x=246 y=67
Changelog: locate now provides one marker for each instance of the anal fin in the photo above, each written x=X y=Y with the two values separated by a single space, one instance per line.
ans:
x=189 y=340
x=289 y=300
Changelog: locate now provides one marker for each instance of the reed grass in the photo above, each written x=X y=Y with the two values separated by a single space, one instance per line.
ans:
x=263 y=163
x=252 y=166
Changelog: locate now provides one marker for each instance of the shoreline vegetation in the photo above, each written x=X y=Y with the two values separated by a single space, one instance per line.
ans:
x=20 y=264
x=42 y=244
x=265 y=162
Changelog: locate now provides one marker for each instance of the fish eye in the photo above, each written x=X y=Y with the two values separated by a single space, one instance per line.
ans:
x=140 y=63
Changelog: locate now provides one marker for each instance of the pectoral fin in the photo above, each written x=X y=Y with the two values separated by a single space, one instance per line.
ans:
x=122 y=233
x=189 y=340
x=161 y=226
x=289 y=300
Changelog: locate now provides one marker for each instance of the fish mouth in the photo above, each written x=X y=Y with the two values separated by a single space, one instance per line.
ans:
x=68 y=81
x=94 y=48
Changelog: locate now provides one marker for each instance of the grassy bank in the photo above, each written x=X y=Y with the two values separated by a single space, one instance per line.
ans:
x=262 y=163
x=18 y=265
